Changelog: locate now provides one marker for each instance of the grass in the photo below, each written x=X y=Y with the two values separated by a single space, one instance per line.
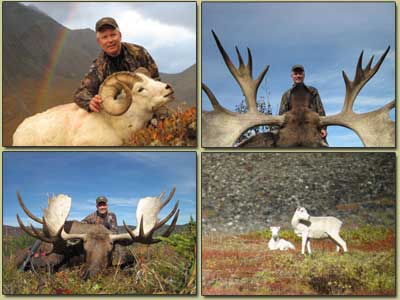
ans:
x=243 y=265
x=163 y=268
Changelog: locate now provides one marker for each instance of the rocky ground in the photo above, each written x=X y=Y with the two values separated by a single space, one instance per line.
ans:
x=250 y=191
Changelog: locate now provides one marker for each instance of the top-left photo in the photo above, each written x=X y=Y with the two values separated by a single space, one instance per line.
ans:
x=99 y=74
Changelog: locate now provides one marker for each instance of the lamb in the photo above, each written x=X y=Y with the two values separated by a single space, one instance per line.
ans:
x=129 y=101
x=276 y=243
x=308 y=228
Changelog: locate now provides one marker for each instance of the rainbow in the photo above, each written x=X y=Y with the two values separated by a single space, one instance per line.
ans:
x=42 y=100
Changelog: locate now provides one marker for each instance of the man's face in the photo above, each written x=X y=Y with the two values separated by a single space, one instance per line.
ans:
x=102 y=208
x=297 y=76
x=109 y=39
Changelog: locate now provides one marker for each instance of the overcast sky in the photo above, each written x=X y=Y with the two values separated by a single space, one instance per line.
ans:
x=324 y=37
x=123 y=177
x=166 y=29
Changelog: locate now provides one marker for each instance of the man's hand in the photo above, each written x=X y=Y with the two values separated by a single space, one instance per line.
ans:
x=324 y=133
x=95 y=103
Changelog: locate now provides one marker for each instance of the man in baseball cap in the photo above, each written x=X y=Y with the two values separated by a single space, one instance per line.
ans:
x=297 y=75
x=109 y=220
x=102 y=215
x=115 y=56
x=106 y=21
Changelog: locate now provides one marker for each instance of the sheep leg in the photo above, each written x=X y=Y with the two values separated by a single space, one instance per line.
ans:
x=309 y=246
x=339 y=241
x=303 y=242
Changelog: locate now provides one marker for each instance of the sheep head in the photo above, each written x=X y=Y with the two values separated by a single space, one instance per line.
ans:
x=135 y=87
x=302 y=214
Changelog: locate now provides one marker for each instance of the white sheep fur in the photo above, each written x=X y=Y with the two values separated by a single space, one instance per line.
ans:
x=70 y=125
x=276 y=243
x=308 y=228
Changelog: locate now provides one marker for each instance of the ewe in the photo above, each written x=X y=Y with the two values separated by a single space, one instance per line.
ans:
x=129 y=101
x=308 y=227
x=276 y=243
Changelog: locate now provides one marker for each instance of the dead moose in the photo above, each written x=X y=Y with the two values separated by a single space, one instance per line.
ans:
x=299 y=127
x=72 y=239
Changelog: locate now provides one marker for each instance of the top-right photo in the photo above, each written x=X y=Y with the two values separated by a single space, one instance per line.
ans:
x=293 y=74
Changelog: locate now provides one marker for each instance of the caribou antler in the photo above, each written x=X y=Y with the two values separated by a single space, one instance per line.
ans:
x=221 y=127
x=147 y=218
x=53 y=219
x=374 y=128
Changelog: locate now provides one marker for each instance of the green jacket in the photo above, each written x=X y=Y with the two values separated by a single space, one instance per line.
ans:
x=134 y=56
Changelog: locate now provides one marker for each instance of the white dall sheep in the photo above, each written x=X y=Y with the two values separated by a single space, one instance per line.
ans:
x=308 y=227
x=276 y=243
x=70 y=125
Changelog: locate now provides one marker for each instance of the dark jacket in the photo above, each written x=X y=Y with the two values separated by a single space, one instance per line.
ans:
x=315 y=103
x=133 y=57
x=109 y=220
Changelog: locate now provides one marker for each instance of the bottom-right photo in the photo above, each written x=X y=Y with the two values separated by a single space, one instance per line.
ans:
x=298 y=223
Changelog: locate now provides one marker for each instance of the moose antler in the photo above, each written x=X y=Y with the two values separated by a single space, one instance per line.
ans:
x=221 y=127
x=147 y=218
x=374 y=128
x=53 y=219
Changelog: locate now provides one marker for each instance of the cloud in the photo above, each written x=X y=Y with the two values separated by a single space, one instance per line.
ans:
x=166 y=30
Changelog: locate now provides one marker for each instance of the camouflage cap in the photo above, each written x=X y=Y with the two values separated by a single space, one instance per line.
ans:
x=298 y=67
x=101 y=199
x=106 y=21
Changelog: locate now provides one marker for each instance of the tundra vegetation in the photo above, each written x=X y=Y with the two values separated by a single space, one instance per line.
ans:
x=243 y=265
x=164 y=268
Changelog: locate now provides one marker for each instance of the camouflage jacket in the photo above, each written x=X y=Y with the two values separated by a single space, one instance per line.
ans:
x=109 y=220
x=134 y=56
x=315 y=103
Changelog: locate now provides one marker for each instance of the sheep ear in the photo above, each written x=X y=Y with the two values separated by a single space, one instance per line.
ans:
x=143 y=70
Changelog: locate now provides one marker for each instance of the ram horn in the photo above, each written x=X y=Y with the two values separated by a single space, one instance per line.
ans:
x=112 y=87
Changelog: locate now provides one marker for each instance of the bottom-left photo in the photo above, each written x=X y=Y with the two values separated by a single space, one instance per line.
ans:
x=89 y=223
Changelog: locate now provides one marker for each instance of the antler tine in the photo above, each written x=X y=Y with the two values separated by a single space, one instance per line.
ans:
x=162 y=194
x=22 y=204
x=241 y=63
x=34 y=233
x=242 y=75
x=141 y=230
x=361 y=77
x=213 y=99
x=169 y=197
x=41 y=236
x=171 y=227
x=165 y=220
x=250 y=61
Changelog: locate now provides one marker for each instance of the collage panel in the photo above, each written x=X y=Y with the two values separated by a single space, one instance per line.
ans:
x=304 y=224
x=287 y=88
x=109 y=223
x=99 y=74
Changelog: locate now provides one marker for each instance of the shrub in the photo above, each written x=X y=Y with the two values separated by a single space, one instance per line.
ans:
x=178 y=129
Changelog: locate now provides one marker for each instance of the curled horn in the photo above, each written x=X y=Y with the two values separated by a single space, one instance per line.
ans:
x=111 y=88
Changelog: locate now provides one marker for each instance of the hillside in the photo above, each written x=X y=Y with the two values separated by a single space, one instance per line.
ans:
x=242 y=192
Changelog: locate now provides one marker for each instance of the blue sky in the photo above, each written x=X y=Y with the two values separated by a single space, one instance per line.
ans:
x=167 y=30
x=324 y=37
x=123 y=177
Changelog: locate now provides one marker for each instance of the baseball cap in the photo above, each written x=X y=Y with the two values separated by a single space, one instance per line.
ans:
x=297 y=67
x=101 y=199
x=106 y=21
